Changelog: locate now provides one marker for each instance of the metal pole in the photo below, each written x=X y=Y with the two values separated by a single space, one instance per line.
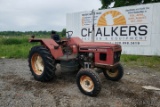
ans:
x=93 y=32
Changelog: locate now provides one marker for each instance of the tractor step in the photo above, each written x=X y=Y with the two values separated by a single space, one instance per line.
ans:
x=68 y=57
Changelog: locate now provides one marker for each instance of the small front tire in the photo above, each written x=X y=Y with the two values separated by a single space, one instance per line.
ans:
x=88 y=82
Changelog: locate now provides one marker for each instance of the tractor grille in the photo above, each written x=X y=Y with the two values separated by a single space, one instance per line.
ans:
x=117 y=56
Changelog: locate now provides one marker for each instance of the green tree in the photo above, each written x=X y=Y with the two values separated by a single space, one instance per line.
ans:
x=63 y=33
x=105 y=3
x=119 y=3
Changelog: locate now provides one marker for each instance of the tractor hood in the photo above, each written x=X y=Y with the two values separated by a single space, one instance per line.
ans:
x=99 y=45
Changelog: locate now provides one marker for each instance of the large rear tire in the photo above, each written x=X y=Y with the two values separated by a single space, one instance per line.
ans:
x=41 y=64
x=88 y=82
x=114 y=74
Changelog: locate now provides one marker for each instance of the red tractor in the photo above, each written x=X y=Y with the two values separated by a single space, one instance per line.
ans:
x=87 y=58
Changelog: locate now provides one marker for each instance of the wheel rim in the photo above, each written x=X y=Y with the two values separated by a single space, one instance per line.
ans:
x=112 y=73
x=86 y=83
x=37 y=64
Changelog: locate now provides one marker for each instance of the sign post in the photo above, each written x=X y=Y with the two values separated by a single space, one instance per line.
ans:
x=93 y=31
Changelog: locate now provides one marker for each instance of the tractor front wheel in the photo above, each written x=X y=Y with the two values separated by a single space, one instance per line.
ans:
x=88 y=82
x=41 y=64
x=114 y=74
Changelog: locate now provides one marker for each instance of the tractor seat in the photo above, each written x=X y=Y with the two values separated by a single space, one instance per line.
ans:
x=68 y=57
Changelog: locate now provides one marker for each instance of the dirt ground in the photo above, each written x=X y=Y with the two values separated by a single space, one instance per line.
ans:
x=19 y=89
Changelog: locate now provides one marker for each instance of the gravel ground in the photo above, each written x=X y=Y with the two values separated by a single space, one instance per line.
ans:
x=19 y=89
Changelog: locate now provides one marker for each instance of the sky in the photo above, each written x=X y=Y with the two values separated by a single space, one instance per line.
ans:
x=40 y=15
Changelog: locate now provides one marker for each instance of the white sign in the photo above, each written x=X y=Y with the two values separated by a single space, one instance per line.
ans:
x=125 y=26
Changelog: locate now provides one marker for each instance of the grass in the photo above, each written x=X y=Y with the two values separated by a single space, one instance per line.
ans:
x=18 y=47
x=15 y=47
x=139 y=60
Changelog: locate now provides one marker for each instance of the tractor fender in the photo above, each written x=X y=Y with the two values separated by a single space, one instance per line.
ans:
x=50 y=44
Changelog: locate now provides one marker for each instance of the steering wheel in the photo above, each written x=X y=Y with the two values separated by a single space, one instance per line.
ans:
x=69 y=34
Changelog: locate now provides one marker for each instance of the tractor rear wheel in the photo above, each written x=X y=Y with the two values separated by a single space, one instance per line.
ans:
x=114 y=74
x=88 y=82
x=41 y=64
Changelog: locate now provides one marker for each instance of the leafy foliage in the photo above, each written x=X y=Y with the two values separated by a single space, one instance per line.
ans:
x=119 y=3
x=12 y=41
x=29 y=33
x=63 y=33
x=105 y=3
x=15 y=46
x=139 y=60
